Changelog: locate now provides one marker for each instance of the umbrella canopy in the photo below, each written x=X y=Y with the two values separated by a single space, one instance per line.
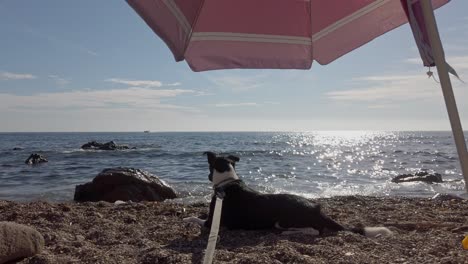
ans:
x=290 y=34
x=274 y=34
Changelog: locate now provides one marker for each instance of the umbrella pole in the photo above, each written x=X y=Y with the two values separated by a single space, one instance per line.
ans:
x=439 y=57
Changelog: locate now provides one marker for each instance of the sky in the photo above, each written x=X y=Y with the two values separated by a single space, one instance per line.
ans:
x=95 y=66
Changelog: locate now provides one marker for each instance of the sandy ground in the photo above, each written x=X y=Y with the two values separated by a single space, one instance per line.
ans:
x=425 y=231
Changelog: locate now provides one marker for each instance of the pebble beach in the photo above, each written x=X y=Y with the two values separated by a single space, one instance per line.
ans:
x=425 y=231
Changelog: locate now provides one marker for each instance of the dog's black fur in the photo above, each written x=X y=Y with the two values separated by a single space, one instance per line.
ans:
x=246 y=208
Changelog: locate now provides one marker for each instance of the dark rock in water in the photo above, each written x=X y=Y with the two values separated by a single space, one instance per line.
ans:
x=17 y=148
x=35 y=159
x=103 y=146
x=126 y=184
x=422 y=176
x=18 y=242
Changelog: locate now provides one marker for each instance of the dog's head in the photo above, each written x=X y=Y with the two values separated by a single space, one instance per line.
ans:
x=221 y=168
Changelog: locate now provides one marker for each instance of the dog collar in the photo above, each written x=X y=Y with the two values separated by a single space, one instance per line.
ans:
x=224 y=183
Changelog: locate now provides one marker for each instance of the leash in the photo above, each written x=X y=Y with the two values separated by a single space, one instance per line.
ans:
x=213 y=237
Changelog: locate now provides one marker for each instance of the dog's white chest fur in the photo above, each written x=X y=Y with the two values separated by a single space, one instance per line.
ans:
x=219 y=177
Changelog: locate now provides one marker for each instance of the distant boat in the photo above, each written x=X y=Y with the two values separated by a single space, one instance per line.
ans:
x=146 y=131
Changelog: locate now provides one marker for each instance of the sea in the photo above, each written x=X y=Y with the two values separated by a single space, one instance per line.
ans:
x=312 y=164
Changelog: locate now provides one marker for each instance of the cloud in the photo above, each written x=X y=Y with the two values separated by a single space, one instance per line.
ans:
x=5 y=76
x=387 y=78
x=90 y=52
x=59 y=80
x=452 y=28
x=237 y=83
x=451 y=47
x=133 y=97
x=202 y=93
x=382 y=106
x=56 y=40
x=382 y=91
x=236 y=104
x=457 y=62
x=245 y=104
x=140 y=83
x=389 y=88
x=414 y=60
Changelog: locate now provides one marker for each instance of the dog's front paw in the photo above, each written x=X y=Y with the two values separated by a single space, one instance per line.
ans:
x=195 y=220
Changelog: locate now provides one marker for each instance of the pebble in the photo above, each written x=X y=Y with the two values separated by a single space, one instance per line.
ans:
x=119 y=202
x=446 y=197
x=18 y=242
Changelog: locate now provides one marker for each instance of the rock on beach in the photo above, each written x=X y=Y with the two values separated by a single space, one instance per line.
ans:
x=126 y=184
x=18 y=242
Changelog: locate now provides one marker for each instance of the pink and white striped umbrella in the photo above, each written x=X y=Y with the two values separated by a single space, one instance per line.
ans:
x=273 y=34
x=290 y=34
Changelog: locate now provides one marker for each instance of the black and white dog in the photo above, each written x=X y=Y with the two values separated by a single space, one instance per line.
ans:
x=246 y=208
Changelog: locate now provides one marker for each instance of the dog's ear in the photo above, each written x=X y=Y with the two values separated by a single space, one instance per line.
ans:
x=211 y=157
x=233 y=158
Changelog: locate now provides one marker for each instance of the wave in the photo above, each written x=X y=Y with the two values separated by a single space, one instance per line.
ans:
x=309 y=164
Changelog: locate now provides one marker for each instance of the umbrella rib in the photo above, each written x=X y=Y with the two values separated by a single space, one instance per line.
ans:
x=338 y=24
x=180 y=17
